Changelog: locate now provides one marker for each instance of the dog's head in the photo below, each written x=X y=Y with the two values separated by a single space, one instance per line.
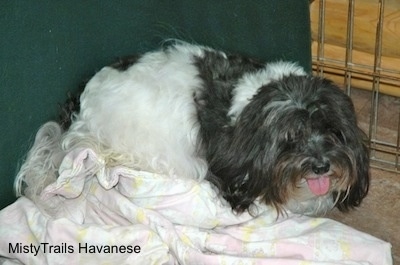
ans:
x=296 y=145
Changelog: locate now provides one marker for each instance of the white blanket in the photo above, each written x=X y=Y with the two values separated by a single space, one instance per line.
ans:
x=122 y=216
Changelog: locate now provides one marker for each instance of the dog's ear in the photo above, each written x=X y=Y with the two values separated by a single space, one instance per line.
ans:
x=241 y=166
x=351 y=136
x=233 y=169
x=360 y=188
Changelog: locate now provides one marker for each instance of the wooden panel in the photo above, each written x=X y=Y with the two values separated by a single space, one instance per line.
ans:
x=365 y=22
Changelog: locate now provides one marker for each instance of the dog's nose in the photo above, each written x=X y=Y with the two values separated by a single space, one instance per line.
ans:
x=320 y=168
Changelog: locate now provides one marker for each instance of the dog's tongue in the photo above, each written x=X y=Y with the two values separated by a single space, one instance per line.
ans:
x=319 y=186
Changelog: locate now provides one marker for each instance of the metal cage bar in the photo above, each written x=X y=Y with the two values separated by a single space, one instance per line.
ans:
x=349 y=47
x=385 y=153
x=373 y=125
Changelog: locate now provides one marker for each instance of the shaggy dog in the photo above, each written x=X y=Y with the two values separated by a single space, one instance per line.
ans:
x=259 y=132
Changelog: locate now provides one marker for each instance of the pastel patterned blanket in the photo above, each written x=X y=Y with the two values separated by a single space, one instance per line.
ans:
x=122 y=216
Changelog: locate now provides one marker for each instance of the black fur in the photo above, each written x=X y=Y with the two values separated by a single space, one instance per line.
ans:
x=71 y=106
x=220 y=76
x=124 y=63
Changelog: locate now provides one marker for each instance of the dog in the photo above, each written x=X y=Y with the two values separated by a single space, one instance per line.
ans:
x=260 y=132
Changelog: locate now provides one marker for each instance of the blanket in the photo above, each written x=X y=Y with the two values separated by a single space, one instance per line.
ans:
x=118 y=215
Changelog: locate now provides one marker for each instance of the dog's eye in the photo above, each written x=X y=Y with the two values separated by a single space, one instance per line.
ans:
x=338 y=134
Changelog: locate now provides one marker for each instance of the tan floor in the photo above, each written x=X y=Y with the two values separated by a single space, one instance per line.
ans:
x=379 y=215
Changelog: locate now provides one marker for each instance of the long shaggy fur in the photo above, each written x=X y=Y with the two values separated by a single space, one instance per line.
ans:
x=259 y=132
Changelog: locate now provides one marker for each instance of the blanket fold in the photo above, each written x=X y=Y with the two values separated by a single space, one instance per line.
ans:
x=123 y=216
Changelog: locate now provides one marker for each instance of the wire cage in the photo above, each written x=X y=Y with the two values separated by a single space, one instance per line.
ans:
x=356 y=44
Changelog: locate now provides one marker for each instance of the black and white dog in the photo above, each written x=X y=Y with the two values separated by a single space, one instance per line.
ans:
x=265 y=132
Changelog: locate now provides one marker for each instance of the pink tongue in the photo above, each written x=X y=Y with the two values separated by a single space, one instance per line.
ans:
x=319 y=186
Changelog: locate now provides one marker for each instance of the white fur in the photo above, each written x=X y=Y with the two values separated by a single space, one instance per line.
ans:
x=41 y=165
x=249 y=84
x=144 y=117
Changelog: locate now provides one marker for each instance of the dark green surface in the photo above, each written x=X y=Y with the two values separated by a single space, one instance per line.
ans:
x=48 y=47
